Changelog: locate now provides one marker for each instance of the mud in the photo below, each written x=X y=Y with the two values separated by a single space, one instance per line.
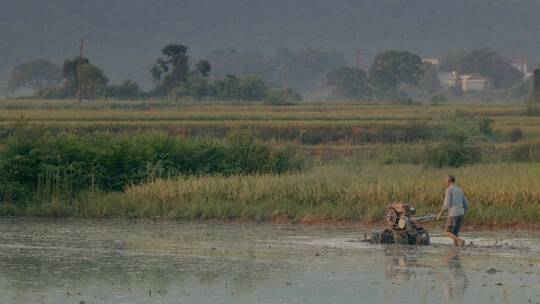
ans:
x=147 y=262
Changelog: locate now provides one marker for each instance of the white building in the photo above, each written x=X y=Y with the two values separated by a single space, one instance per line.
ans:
x=473 y=82
x=468 y=82
x=521 y=66
x=433 y=61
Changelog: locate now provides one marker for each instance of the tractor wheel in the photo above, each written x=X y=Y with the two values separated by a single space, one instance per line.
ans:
x=422 y=237
x=401 y=238
x=387 y=237
x=390 y=217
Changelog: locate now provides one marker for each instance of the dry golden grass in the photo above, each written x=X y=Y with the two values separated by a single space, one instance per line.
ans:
x=499 y=194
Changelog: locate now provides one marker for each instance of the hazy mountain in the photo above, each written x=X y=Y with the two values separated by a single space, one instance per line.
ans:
x=125 y=36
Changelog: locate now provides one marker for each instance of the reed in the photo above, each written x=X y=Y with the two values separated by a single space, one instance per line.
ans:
x=500 y=195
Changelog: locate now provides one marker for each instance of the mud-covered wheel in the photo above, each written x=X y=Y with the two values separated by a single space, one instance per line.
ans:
x=390 y=216
x=422 y=237
x=401 y=238
x=387 y=236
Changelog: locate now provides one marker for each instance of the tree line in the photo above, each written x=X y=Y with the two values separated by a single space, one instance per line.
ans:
x=393 y=75
x=399 y=74
x=173 y=74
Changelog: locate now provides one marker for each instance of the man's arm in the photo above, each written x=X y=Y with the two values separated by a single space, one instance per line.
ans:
x=465 y=203
x=445 y=204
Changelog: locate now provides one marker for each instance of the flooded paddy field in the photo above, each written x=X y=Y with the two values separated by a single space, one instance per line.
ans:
x=83 y=261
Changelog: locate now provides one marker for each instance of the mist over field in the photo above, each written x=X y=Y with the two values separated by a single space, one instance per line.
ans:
x=125 y=36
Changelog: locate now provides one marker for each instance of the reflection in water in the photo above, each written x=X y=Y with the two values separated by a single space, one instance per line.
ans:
x=398 y=265
x=401 y=265
x=121 y=262
x=453 y=279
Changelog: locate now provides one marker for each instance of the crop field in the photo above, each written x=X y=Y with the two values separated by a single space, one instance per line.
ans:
x=309 y=123
x=502 y=195
x=349 y=160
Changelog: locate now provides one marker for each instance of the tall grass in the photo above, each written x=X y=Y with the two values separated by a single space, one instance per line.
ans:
x=505 y=194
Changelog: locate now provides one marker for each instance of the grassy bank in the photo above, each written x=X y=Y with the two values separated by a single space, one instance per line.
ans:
x=501 y=195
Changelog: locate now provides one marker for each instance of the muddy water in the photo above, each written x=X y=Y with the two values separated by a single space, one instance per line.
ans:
x=134 y=262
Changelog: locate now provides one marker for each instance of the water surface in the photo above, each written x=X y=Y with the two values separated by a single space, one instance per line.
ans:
x=84 y=261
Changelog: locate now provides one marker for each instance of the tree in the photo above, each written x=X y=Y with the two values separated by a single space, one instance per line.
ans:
x=429 y=81
x=94 y=82
x=391 y=68
x=34 y=75
x=127 y=90
x=349 y=83
x=252 y=88
x=70 y=72
x=484 y=62
x=172 y=69
x=226 y=89
x=204 y=68
x=305 y=67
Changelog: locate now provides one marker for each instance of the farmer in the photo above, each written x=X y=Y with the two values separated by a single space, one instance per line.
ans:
x=456 y=204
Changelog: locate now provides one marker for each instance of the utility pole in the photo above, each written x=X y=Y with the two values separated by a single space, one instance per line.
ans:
x=285 y=84
x=80 y=71
x=356 y=74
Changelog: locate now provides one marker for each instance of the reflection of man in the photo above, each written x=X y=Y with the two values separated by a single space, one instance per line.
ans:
x=397 y=269
x=456 y=204
x=455 y=282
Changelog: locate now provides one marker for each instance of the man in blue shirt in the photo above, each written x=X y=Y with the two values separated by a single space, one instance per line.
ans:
x=456 y=203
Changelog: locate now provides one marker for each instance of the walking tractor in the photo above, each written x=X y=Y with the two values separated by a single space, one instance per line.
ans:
x=402 y=227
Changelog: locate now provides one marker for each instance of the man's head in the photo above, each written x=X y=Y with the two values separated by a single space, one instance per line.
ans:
x=450 y=180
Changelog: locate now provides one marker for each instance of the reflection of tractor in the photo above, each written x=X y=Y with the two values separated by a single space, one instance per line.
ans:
x=402 y=227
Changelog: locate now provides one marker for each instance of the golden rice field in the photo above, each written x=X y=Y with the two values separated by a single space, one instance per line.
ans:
x=500 y=195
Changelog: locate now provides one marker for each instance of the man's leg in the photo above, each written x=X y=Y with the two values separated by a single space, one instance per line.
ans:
x=458 y=222
x=452 y=228
x=455 y=238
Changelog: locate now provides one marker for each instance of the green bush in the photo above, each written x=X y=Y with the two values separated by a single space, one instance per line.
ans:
x=276 y=97
x=127 y=90
x=439 y=98
x=516 y=135
x=455 y=151
x=405 y=101
x=37 y=163
x=485 y=126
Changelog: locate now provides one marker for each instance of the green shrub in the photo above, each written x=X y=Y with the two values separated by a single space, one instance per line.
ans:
x=405 y=101
x=276 y=97
x=438 y=98
x=33 y=163
x=485 y=126
x=516 y=135
x=455 y=151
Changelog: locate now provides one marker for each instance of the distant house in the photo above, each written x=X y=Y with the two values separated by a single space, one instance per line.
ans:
x=468 y=82
x=474 y=82
x=433 y=61
x=521 y=66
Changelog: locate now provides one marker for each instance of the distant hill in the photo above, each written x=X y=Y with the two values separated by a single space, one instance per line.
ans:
x=125 y=36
